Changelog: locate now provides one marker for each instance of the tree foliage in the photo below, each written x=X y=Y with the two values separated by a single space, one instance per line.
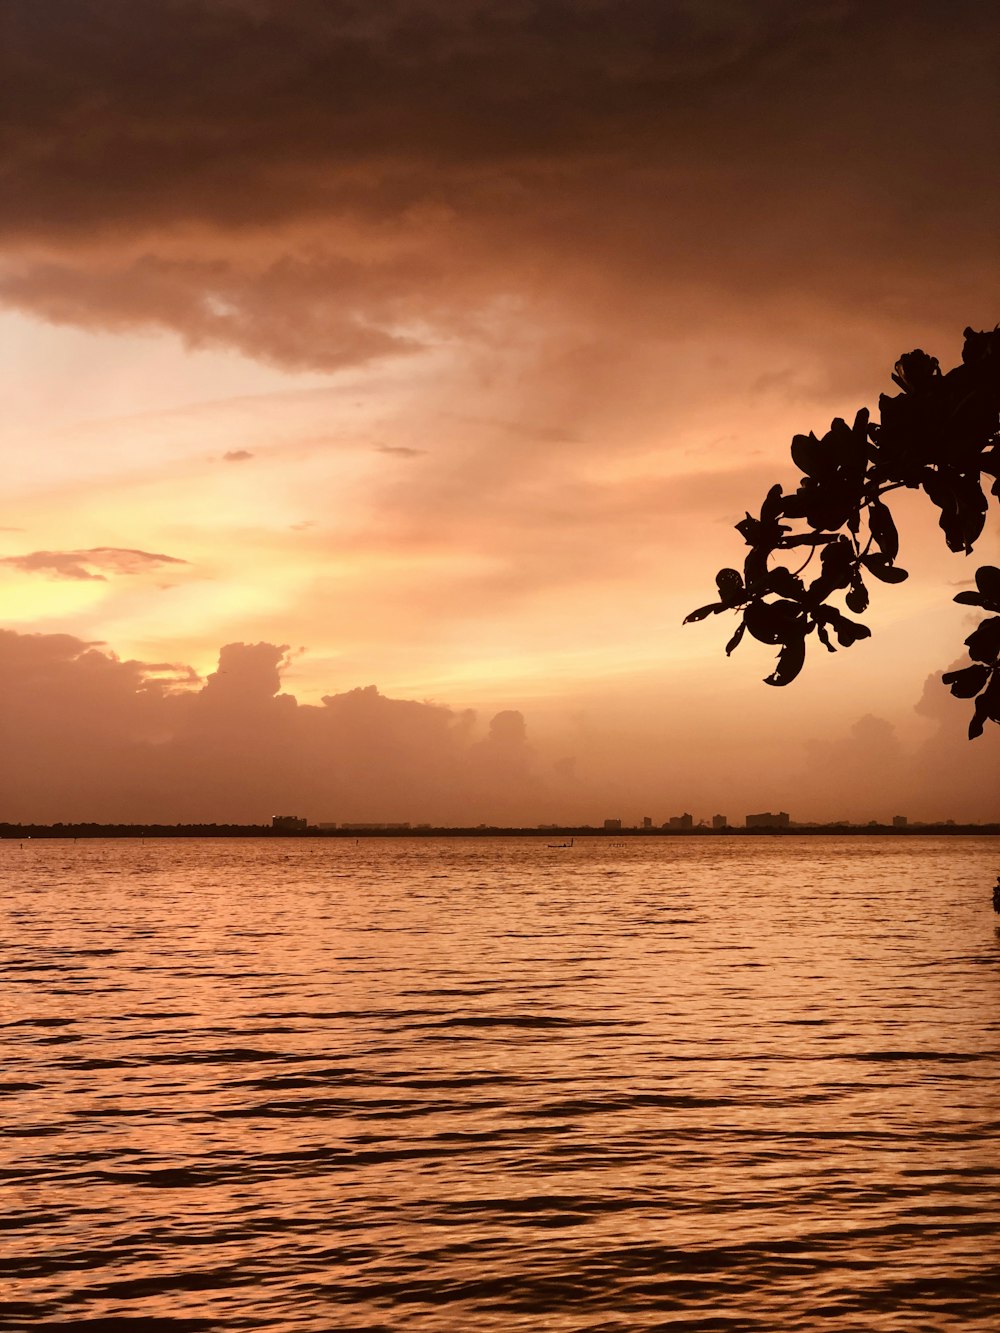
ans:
x=939 y=434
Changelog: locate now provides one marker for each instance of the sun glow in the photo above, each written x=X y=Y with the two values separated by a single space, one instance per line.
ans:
x=35 y=602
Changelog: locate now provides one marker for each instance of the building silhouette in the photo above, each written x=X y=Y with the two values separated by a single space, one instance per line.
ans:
x=684 y=821
x=612 y=825
x=288 y=824
x=769 y=820
x=720 y=821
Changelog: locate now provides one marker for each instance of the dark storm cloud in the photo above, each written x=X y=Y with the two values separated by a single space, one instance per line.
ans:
x=88 y=564
x=315 y=183
x=182 y=107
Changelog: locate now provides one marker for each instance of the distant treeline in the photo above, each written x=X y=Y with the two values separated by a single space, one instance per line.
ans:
x=585 y=831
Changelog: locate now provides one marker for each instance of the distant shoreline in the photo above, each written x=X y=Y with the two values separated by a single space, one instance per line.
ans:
x=28 y=831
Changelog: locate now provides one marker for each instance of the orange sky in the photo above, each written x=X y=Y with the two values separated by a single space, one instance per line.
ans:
x=442 y=345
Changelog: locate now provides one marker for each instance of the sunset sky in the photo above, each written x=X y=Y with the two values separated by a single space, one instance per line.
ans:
x=438 y=345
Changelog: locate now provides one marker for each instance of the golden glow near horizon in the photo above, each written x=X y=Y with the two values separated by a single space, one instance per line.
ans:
x=398 y=543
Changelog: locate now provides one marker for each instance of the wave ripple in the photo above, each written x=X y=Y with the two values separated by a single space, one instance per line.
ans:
x=489 y=1085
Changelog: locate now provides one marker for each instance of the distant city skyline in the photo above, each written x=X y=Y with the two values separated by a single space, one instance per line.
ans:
x=302 y=827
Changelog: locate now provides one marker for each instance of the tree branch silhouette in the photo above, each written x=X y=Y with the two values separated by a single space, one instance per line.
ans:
x=941 y=435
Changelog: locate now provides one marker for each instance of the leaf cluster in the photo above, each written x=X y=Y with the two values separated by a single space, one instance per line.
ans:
x=941 y=435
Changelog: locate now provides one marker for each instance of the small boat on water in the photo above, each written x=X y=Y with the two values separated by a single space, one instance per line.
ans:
x=560 y=844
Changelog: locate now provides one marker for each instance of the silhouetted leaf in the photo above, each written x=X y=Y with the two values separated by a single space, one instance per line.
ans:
x=826 y=504
x=807 y=454
x=988 y=590
x=988 y=581
x=790 y=662
x=771 y=507
x=883 y=529
x=979 y=717
x=847 y=631
x=838 y=561
x=850 y=631
x=712 y=609
x=755 y=569
x=786 y=584
x=884 y=569
x=730 y=585
x=979 y=346
x=962 y=503
x=748 y=528
x=984 y=641
x=824 y=637
x=901 y=447
x=766 y=531
x=916 y=371
x=968 y=681
x=734 y=642
x=849 y=445
x=838 y=569
x=857 y=598
x=774 y=622
x=991 y=697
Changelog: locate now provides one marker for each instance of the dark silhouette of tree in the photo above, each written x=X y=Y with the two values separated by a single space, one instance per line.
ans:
x=941 y=435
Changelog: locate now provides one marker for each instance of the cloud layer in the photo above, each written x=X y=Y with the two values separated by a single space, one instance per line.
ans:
x=318 y=184
x=94 y=564
x=90 y=737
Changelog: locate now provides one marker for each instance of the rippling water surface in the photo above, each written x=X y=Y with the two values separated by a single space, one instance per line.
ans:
x=477 y=1084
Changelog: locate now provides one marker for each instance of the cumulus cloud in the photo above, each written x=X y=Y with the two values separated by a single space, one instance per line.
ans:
x=88 y=736
x=506 y=752
x=87 y=565
x=236 y=455
x=870 y=773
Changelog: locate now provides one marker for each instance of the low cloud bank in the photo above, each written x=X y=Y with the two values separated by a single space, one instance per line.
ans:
x=90 y=737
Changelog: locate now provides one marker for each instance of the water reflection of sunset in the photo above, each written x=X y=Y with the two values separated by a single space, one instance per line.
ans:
x=474 y=1081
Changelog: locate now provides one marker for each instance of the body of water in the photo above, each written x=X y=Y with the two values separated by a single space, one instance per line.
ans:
x=487 y=1084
